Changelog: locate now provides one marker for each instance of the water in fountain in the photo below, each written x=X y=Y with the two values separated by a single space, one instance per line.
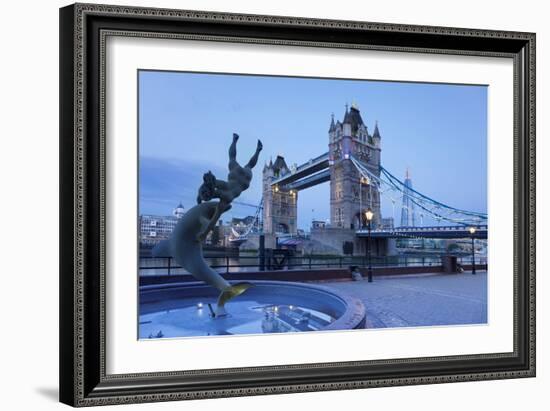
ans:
x=247 y=317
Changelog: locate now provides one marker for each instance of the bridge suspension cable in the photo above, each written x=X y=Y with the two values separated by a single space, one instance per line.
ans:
x=391 y=187
x=255 y=225
x=249 y=204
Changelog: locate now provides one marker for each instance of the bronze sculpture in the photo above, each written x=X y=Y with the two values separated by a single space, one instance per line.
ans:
x=238 y=180
x=185 y=242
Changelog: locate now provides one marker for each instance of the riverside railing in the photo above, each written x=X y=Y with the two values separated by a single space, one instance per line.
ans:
x=230 y=264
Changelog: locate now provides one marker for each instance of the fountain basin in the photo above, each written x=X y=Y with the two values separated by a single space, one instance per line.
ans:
x=181 y=310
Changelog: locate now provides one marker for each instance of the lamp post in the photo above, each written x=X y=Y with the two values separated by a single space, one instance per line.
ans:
x=472 y=231
x=362 y=181
x=369 y=215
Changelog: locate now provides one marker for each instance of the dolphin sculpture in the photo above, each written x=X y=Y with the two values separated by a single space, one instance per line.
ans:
x=186 y=248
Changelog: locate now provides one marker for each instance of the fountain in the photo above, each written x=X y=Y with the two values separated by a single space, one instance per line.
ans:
x=199 y=309
x=183 y=310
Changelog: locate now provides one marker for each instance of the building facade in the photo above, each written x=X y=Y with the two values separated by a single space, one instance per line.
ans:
x=407 y=207
x=387 y=223
x=155 y=228
x=318 y=225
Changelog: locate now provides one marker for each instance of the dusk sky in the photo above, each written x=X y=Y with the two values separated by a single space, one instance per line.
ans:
x=186 y=121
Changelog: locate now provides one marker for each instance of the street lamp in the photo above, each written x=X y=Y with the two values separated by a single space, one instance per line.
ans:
x=472 y=231
x=362 y=181
x=369 y=215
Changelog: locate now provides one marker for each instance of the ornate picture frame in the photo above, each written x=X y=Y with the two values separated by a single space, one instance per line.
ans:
x=84 y=29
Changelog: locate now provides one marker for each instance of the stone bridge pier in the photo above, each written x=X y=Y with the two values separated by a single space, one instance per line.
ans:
x=380 y=247
x=336 y=237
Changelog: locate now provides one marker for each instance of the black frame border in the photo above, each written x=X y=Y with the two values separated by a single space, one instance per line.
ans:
x=83 y=30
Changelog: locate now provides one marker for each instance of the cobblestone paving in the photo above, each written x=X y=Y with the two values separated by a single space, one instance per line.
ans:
x=409 y=301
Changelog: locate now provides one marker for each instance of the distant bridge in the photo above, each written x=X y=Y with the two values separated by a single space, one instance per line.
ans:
x=443 y=232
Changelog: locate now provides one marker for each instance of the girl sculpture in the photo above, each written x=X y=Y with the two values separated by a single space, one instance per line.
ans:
x=238 y=180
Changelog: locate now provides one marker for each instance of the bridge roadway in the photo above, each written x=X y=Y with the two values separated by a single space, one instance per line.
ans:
x=443 y=232
x=313 y=180
x=313 y=166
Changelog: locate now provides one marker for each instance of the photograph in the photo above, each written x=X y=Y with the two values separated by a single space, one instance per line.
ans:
x=282 y=204
x=257 y=202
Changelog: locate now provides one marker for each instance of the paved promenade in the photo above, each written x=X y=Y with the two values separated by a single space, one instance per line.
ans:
x=411 y=301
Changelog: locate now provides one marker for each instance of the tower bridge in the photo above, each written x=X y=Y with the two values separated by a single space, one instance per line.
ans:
x=358 y=181
x=351 y=192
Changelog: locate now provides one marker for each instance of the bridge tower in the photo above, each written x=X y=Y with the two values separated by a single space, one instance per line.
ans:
x=350 y=195
x=280 y=211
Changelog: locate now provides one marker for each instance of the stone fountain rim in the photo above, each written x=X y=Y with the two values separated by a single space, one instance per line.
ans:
x=353 y=317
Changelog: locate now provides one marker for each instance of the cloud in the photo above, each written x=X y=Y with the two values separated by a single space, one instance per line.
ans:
x=163 y=183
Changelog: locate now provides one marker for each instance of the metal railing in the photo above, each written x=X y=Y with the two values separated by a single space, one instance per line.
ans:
x=233 y=264
x=461 y=228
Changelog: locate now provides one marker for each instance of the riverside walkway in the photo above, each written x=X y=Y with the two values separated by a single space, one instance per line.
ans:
x=421 y=300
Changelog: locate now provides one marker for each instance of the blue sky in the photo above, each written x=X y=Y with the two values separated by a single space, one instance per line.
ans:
x=186 y=121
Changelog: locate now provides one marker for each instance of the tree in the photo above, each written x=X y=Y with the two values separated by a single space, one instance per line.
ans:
x=215 y=238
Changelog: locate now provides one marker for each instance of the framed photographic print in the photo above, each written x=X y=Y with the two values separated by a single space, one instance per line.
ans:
x=261 y=204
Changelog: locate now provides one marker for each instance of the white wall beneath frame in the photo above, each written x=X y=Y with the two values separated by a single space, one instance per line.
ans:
x=29 y=206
